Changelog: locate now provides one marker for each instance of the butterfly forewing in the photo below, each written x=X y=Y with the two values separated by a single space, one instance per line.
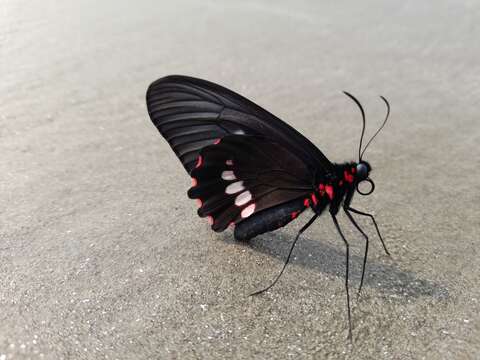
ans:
x=191 y=113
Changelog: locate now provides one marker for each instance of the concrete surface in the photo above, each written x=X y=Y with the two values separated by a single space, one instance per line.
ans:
x=101 y=253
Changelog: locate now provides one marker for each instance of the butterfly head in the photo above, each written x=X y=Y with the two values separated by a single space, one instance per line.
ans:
x=363 y=168
x=361 y=178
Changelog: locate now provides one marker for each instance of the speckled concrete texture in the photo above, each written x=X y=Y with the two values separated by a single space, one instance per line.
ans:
x=102 y=255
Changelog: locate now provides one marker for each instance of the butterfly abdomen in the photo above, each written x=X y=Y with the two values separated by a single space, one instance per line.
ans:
x=269 y=219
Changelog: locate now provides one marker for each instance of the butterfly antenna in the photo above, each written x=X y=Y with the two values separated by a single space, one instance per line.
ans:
x=381 y=127
x=360 y=153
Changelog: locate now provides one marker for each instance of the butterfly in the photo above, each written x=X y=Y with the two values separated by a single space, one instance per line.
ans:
x=252 y=171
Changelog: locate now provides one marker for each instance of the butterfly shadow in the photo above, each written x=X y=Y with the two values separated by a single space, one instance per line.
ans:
x=382 y=273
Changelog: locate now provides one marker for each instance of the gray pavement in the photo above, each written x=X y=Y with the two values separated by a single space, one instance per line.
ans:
x=102 y=255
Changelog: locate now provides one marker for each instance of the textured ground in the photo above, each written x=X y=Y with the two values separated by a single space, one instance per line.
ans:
x=101 y=253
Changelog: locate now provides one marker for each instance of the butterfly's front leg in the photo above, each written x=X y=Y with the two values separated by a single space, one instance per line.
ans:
x=374 y=223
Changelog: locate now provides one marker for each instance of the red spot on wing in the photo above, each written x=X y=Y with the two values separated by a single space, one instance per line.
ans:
x=353 y=170
x=217 y=141
x=194 y=182
x=329 y=191
x=199 y=161
x=314 y=199
x=306 y=202
x=294 y=214
x=199 y=203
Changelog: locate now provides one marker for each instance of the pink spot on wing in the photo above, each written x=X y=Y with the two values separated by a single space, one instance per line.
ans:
x=306 y=202
x=210 y=220
x=314 y=199
x=329 y=191
x=199 y=161
x=217 y=141
x=249 y=210
x=199 y=203
x=194 y=182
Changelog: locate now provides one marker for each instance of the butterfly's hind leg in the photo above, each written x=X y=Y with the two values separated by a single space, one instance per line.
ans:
x=310 y=222
x=347 y=261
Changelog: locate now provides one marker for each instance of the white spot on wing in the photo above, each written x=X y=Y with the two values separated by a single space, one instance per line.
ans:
x=243 y=198
x=248 y=211
x=239 y=132
x=235 y=187
x=228 y=175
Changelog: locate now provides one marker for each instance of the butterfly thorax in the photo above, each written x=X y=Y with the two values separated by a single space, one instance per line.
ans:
x=334 y=189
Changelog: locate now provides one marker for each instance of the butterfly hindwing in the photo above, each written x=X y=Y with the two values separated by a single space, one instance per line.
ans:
x=240 y=176
x=192 y=113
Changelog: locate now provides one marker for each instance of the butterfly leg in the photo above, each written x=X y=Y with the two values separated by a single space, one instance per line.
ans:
x=347 y=258
x=374 y=223
x=310 y=222
x=352 y=220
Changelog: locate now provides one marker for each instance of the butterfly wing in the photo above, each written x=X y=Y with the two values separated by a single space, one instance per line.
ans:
x=192 y=113
x=240 y=176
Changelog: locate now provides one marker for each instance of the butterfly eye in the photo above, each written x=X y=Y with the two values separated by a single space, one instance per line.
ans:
x=364 y=189
x=362 y=171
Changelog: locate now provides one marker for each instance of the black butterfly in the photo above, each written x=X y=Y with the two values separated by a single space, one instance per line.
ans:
x=250 y=169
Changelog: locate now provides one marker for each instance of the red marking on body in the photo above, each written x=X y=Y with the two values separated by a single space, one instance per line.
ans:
x=329 y=191
x=348 y=177
x=210 y=220
x=314 y=199
x=217 y=141
x=199 y=161
x=321 y=189
x=294 y=214
x=306 y=203
x=194 y=182
x=199 y=203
